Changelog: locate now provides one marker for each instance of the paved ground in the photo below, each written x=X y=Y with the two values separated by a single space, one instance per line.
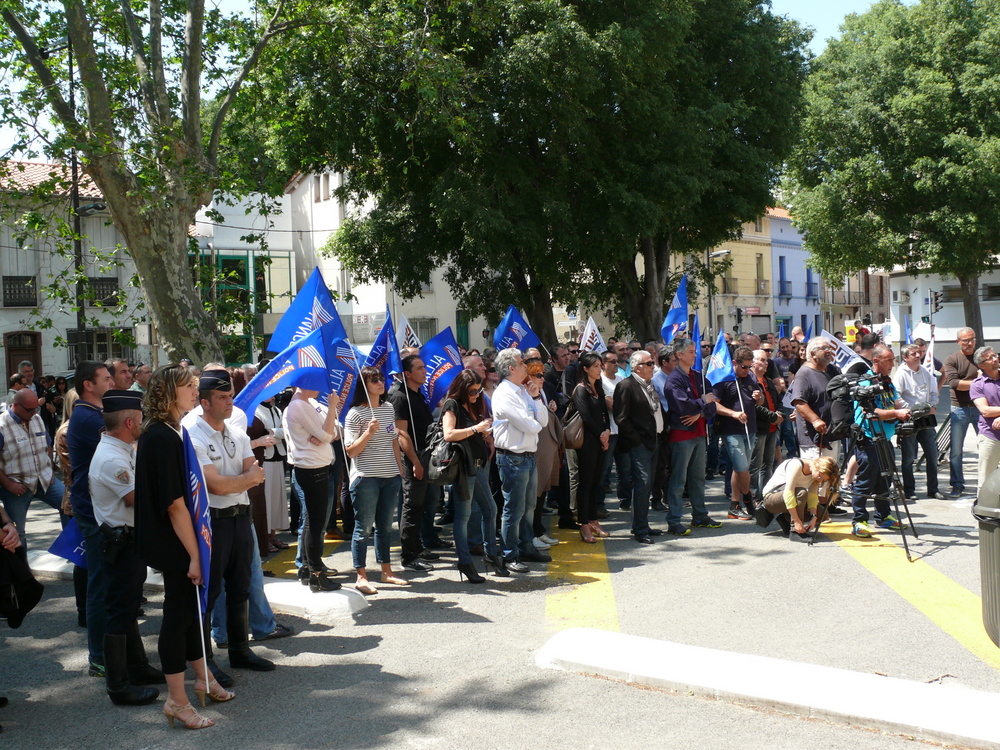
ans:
x=452 y=665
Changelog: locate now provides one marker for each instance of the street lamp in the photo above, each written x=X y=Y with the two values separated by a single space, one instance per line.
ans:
x=711 y=287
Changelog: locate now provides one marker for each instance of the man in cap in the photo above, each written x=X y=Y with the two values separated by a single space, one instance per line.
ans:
x=230 y=469
x=112 y=491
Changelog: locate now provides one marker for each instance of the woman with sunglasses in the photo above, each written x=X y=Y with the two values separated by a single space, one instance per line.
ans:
x=588 y=400
x=466 y=421
x=165 y=539
x=376 y=470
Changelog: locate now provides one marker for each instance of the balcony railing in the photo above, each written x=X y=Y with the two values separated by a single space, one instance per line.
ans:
x=20 y=291
x=784 y=288
x=812 y=290
x=763 y=288
x=842 y=297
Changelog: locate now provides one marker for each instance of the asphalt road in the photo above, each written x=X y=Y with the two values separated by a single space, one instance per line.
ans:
x=444 y=664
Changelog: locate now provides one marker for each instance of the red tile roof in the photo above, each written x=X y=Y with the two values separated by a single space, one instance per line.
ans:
x=779 y=213
x=27 y=175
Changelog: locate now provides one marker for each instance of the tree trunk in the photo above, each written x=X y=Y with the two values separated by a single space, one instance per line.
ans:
x=540 y=315
x=971 y=304
x=644 y=298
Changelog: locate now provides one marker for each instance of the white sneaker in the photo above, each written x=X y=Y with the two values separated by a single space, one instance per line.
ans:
x=549 y=540
x=539 y=544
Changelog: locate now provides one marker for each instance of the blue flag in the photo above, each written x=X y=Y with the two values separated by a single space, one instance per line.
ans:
x=312 y=308
x=809 y=333
x=196 y=497
x=906 y=327
x=384 y=355
x=781 y=331
x=696 y=338
x=70 y=544
x=677 y=315
x=720 y=367
x=513 y=331
x=322 y=361
x=443 y=362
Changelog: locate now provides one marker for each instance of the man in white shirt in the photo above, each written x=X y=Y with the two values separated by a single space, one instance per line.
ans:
x=230 y=469
x=915 y=385
x=519 y=414
x=610 y=377
x=112 y=491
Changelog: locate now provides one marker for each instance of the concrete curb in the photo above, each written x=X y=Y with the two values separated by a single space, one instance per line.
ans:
x=941 y=713
x=285 y=596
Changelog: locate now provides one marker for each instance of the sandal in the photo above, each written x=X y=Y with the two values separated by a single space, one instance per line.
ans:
x=365 y=588
x=172 y=711
x=215 y=691
x=395 y=580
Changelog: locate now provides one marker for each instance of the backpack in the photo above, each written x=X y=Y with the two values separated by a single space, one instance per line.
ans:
x=838 y=394
x=443 y=459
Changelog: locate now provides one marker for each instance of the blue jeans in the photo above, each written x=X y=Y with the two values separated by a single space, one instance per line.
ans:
x=927 y=439
x=375 y=500
x=961 y=418
x=640 y=464
x=623 y=467
x=519 y=477
x=739 y=448
x=869 y=483
x=687 y=469
x=97 y=587
x=474 y=489
x=17 y=506
x=261 y=616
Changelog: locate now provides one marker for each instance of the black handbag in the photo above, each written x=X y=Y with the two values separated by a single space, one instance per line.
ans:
x=19 y=591
x=444 y=459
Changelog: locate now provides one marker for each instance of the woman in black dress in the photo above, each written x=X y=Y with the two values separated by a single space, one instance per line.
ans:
x=588 y=399
x=166 y=540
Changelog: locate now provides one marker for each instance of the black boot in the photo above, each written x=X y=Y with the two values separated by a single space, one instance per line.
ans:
x=303 y=575
x=238 y=625
x=220 y=677
x=499 y=565
x=785 y=522
x=121 y=692
x=140 y=671
x=319 y=581
x=469 y=571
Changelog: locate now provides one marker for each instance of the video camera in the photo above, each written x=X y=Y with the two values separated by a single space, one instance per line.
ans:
x=873 y=388
x=920 y=417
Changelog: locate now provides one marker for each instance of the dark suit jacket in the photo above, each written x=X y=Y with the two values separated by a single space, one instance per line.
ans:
x=636 y=423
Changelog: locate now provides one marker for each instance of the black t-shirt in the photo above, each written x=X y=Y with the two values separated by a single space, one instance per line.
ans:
x=422 y=416
x=160 y=478
x=465 y=421
x=860 y=368
x=810 y=386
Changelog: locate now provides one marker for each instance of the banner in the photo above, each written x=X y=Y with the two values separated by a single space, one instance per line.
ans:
x=196 y=497
x=405 y=335
x=311 y=309
x=591 y=341
x=696 y=338
x=928 y=363
x=906 y=329
x=843 y=355
x=677 y=316
x=781 y=331
x=384 y=355
x=70 y=544
x=322 y=361
x=443 y=363
x=720 y=366
x=513 y=331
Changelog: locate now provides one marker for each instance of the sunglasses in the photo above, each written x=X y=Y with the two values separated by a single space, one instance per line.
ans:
x=644 y=364
x=745 y=367
x=611 y=361
x=635 y=349
x=574 y=351
x=475 y=391
x=375 y=378
x=769 y=351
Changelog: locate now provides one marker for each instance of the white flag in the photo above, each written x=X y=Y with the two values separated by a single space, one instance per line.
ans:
x=405 y=335
x=843 y=355
x=591 y=340
x=928 y=362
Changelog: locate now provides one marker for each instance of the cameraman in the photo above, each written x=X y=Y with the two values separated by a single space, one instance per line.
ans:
x=878 y=398
x=916 y=385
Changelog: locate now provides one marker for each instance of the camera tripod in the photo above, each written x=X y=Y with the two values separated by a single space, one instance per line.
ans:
x=886 y=459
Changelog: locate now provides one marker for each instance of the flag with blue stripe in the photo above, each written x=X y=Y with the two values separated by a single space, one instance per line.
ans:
x=70 y=545
x=696 y=338
x=677 y=316
x=312 y=308
x=196 y=497
x=384 y=355
x=513 y=332
x=720 y=366
x=443 y=363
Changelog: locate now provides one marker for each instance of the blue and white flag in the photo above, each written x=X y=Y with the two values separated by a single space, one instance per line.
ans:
x=196 y=497
x=592 y=341
x=513 y=332
x=70 y=545
x=677 y=316
x=384 y=355
x=843 y=355
x=311 y=309
x=696 y=338
x=443 y=362
x=809 y=333
x=405 y=335
x=906 y=328
x=720 y=366
x=781 y=331
x=322 y=361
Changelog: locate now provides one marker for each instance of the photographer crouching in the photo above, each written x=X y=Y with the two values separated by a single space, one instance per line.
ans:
x=877 y=408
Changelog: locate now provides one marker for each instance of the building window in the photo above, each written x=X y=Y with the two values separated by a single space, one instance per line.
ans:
x=758 y=225
x=812 y=287
x=101 y=344
x=425 y=328
x=784 y=285
x=952 y=294
x=20 y=291
x=104 y=290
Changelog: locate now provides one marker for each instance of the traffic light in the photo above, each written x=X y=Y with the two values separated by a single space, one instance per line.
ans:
x=739 y=319
x=937 y=300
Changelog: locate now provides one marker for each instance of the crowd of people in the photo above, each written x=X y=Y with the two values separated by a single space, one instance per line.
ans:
x=532 y=432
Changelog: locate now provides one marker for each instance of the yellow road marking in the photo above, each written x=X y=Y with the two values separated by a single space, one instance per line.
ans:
x=587 y=598
x=949 y=605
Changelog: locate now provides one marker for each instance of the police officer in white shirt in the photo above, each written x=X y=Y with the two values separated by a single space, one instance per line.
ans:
x=112 y=491
x=230 y=469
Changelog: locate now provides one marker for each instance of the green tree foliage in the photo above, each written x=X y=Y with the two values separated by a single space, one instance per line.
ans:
x=899 y=164
x=537 y=149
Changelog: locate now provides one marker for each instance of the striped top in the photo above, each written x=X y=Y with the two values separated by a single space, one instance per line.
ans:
x=377 y=459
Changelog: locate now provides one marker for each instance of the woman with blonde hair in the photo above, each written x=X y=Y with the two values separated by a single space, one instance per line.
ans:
x=796 y=490
x=165 y=538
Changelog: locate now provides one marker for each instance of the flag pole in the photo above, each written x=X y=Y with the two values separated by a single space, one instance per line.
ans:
x=201 y=634
x=363 y=385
